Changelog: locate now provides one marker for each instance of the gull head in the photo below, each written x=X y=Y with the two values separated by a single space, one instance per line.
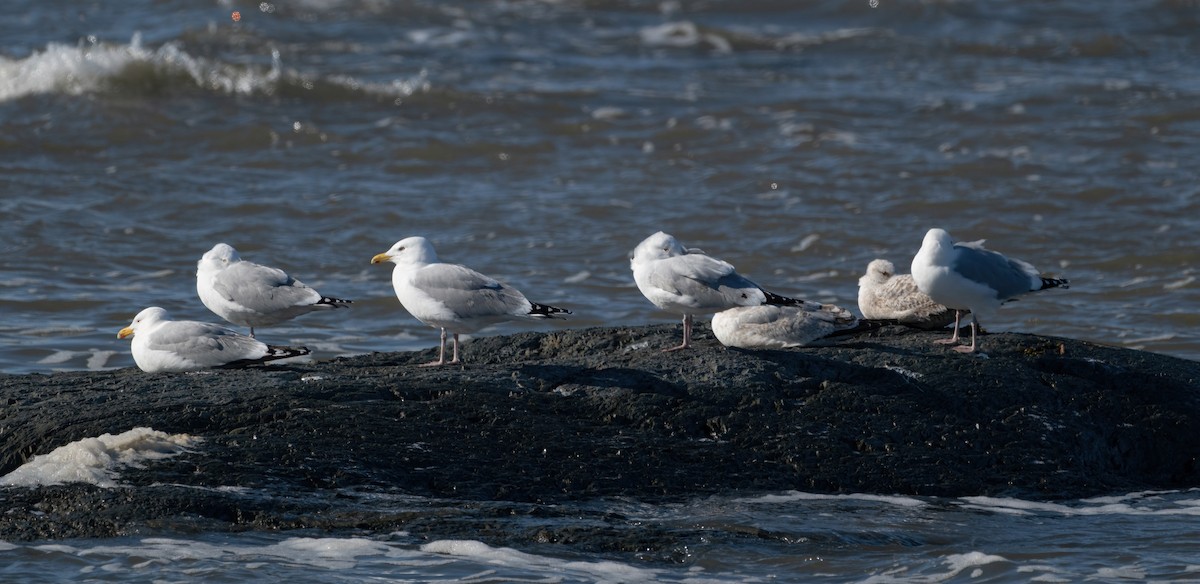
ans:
x=143 y=319
x=878 y=271
x=219 y=257
x=937 y=237
x=659 y=246
x=410 y=250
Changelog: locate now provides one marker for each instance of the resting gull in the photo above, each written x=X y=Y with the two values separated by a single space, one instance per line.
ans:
x=687 y=282
x=965 y=276
x=781 y=327
x=247 y=294
x=884 y=294
x=452 y=297
x=162 y=344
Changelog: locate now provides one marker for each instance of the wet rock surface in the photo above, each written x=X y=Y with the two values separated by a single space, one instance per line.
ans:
x=536 y=425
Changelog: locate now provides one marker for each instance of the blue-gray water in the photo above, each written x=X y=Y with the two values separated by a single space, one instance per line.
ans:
x=783 y=537
x=539 y=141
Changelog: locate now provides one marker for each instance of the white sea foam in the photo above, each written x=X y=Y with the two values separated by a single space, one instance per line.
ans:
x=960 y=562
x=86 y=68
x=683 y=35
x=600 y=571
x=96 y=359
x=1134 y=504
x=97 y=460
x=78 y=69
x=791 y=496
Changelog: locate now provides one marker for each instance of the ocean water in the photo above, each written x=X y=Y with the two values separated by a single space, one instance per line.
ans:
x=540 y=141
x=767 y=537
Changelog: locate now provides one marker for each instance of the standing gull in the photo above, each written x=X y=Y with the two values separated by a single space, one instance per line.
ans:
x=162 y=344
x=884 y=294
x=247 y=294
x=452 y=297
x=780 y=327
x=685 y=281
x=965 y=276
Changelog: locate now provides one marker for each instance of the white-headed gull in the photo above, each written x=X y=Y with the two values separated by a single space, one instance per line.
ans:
x=251 y=295
x=452 y=297
x=687 y=282
x=965 y=276
x=162 y=344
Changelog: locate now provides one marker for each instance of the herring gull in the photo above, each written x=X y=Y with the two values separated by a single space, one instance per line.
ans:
x=452 y=297
x=162 y=344
x=688 y=282
x=248 y=294
x=966 y=276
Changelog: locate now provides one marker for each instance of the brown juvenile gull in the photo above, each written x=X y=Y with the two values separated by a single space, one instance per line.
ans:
x=884 y=294
x=688 y=282
x=452 y=297
x=965 y=276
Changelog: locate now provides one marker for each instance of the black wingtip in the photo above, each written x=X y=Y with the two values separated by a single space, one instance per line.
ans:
x=1055 y=283
x=777 y=300
x=278 y=352
x=274 y=353
x=334 y=302
x=864 y=325
x=546 y=311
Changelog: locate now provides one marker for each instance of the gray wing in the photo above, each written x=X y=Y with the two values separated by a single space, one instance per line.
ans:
x=205 y=344
x=469 y=294
x=711 y=282
x=1006 y=276
x=263 y=289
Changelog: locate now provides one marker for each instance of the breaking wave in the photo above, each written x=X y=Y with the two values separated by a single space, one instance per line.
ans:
x=98 y=67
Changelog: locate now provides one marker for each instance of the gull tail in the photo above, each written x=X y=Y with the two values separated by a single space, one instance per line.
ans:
x=546 y=311
x=331 y=302
x=777 y=300
x=274 y=352
x=864 y=325
x=1055 y=283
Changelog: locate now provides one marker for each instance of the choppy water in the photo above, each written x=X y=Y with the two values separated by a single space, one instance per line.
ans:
x=540 y=141
x=785 y=537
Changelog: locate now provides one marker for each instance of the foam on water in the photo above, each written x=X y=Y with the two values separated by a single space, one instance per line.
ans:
x=1133 y=504
x=96 y=359
x=792 y=496
x=597 y=571
x=97 y=460
x=90 y=67
x=253 y=557
x=74 y=70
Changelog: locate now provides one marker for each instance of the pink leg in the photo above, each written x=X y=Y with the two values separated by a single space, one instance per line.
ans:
x=953 y=338
x=455 y=360
x=687 y=334
x=974 y=327
x=441 y=360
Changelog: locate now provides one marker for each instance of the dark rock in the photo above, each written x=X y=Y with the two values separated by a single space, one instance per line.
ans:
x=539 y=419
